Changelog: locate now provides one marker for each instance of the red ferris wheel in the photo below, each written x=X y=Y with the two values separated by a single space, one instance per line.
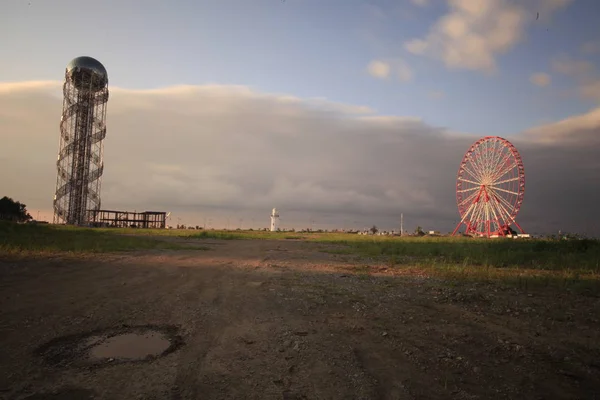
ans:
x=490 y=187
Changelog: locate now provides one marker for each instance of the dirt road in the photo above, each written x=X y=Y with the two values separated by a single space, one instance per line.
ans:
x=282 y=320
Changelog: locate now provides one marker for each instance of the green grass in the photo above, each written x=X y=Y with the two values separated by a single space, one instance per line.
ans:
x=525 y=263
x=522 y=262
x=579 y=255
x=203 y=234
x=29 y=239
x=496 y=253
x=580 y=280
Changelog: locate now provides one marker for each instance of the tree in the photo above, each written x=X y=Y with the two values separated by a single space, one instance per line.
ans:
x=374 y=229
x=419 y=231
x=11 y=210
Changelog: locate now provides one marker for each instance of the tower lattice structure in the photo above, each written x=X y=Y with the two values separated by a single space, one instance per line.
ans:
x=82 y=132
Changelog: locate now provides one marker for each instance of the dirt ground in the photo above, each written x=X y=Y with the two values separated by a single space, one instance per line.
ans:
x=284 y=320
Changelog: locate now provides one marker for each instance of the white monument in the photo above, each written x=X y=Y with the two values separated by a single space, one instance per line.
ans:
x=274 y=220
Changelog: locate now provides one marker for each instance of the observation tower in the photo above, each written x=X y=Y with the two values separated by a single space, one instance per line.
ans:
x=82 y=132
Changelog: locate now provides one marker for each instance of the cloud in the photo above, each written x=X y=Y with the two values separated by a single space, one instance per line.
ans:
x=473 y=33
x=584 y=73
x=403 y=70
x=379 y=69
x=420 y=3
x=569 y=132
x=230 y=151
x=383 y=69
x=590 y=48
x=540 y=79
x=591 y=90
x=437 y=94
x=575 y=68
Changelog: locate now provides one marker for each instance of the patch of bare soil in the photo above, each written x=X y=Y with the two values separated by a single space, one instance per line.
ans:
x=282 y=320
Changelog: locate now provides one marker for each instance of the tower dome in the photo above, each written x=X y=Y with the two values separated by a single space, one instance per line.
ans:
x=87 y=73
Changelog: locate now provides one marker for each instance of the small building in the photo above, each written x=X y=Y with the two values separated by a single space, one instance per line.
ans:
x=128 y=219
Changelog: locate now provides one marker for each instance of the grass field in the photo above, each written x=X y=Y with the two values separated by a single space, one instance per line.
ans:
x=526 y=263
x=40 y=239
x=573 y=264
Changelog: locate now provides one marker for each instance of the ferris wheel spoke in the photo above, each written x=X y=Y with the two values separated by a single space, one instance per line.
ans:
x=481 y=219
x=465 y=218
x=476 y=176
x=470 y=198
x=500 y=215
x=487 y=216
x=495 y=192
x=497 y=170
x=478 y=210
x=474 y=172
x=486 y=219
x=480 y=157
x=503 y=159
x=502 y=170
x=506 y=205
x=503 y=203
x=492 y=210
x=505 y=181
x=503 y=156
x=498 y=157
x=489 y=156
x=482 y=164
x=506 y=166
x=470 y=181
x=506 y=213
x=494 y=154
x=467 y=202
x=495 y=219
x=468 y=190
x=494 y=188
x=476 y=160
x=471 y=220
x=469 y=214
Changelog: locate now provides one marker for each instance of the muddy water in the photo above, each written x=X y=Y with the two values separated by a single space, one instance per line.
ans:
x=128 y=346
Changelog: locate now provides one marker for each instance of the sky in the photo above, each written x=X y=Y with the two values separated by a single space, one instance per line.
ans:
x=341 y=113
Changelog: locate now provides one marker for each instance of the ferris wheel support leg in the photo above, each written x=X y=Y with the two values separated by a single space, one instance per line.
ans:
x=456 y=229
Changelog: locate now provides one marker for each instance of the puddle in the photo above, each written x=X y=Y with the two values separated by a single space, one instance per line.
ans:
x=129 y=346
x=102 y=347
